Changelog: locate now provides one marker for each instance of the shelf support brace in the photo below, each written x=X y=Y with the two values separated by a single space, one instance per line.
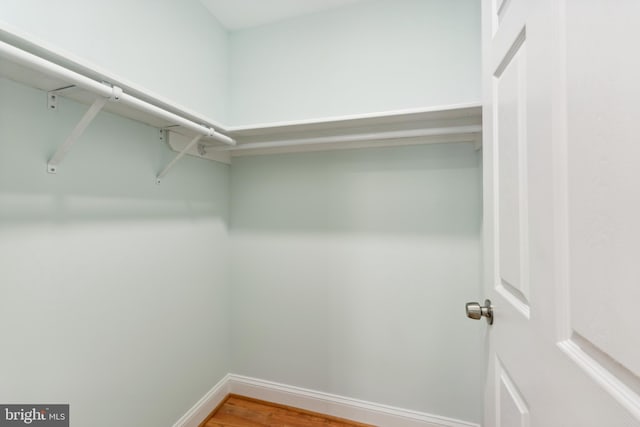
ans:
x=193 y=142
x=92 y=112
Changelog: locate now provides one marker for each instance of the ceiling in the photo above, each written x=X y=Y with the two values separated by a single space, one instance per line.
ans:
x=238 y=14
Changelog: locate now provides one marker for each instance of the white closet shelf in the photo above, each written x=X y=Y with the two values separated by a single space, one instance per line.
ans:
x=44 y=80
x=30 y=62
x=35 y=64
x=452 y=123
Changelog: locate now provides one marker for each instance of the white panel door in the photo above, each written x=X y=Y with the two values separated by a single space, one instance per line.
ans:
x=562 y=212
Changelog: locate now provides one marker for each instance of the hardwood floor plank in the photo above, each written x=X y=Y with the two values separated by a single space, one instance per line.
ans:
x=240 y=411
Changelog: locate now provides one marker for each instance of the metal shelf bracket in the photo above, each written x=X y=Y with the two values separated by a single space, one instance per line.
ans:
x=187 y=147
x=92 y=112
x=52 y=101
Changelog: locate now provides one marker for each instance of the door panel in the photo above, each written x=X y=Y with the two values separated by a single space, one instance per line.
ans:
x=604 y=191
x=511 y=227
x=601 y=195
x=511 y=408
x=562 y=212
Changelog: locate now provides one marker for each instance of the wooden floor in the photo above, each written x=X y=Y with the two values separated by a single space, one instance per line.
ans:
x=238 y=411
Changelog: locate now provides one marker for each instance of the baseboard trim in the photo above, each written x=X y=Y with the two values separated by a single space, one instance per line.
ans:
x=337 y=406
x=201 y=410
x=315 y=401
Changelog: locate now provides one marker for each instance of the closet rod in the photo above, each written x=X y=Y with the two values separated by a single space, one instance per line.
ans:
x=34 y=62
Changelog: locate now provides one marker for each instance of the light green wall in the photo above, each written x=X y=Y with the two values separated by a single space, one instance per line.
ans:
x=372 y=56
x=349 y=273
x=174 y=48
x=114 y=291
x=347 y=269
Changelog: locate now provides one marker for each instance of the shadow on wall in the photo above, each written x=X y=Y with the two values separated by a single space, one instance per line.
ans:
x=428 y=189
x=108 y=175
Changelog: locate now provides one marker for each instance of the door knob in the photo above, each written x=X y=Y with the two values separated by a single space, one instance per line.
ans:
x=477 y=311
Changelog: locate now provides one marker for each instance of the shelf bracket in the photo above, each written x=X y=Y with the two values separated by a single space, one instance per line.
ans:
x=187 y=147
x=52 y=101
x=92 y=112
x=52 y=97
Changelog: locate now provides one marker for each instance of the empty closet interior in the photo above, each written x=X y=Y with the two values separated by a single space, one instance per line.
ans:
x=322 y=229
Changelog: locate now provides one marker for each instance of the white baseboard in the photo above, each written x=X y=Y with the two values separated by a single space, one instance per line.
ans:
x=338 y=406
x=206 y=405
x=315 y=401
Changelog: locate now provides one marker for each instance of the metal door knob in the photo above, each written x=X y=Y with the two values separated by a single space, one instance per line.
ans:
x=477 y=311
